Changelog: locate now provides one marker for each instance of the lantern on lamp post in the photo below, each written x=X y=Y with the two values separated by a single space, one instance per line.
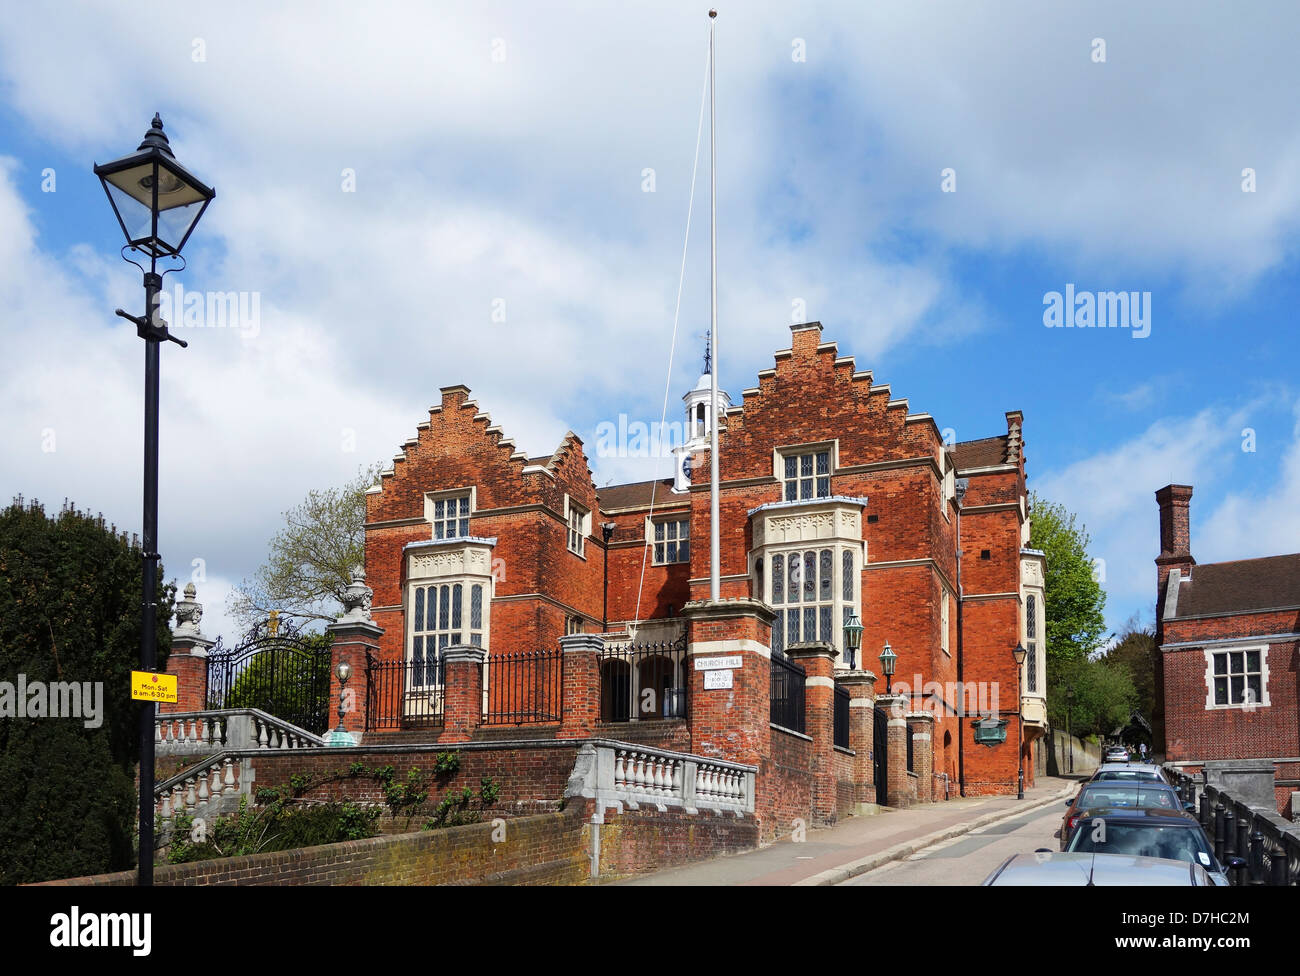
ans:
x=852 y=639
x=887 y=661
x=157 y=203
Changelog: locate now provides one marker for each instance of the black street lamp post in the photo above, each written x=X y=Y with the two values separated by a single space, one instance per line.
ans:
x=157 y=203
x=1020 y=654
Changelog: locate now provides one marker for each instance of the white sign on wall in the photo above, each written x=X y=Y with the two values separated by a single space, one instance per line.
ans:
x=730 y=662
x=717 y=679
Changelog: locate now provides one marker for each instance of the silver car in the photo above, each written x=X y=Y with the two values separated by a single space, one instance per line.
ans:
x=1131 y=771
x=1055 y=869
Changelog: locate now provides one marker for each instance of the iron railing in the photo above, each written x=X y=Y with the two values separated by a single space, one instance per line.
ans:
x=1271 y=852
x=639 y=682
x=841 y=716
x=280 y=670
x=787 y=693
x=403 y=694
x=524 y=687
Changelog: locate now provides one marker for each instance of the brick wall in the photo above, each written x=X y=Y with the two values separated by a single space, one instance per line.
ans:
x=785 y=785
x=540 y=849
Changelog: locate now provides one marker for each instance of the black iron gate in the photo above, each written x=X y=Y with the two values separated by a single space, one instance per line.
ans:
x=277 y=668
x=880 y=753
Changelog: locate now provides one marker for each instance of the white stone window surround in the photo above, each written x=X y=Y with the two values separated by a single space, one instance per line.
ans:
x=577 y=526
x=1032 y=583
x=655 y=544
x=1210 y=653
x=468 y=561
x=779 y=454
x=445 y=494
x=787 y=527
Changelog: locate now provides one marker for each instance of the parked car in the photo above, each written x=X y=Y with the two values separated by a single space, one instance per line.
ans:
x=1115 y=754
x=1167 y=834
x=1052 y=868
x=1130 y=771
x=1111 y=794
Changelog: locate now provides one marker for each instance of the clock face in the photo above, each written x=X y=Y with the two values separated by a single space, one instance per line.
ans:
x=686 y=466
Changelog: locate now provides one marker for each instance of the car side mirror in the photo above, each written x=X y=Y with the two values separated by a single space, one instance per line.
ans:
x=1189 y=807
x=1068 y=802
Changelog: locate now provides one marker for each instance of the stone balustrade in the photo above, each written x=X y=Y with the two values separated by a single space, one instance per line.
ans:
x=205 y=733
x=623 y=775
x=206 y=790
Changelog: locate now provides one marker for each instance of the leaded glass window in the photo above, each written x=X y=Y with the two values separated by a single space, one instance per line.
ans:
x=451 y=517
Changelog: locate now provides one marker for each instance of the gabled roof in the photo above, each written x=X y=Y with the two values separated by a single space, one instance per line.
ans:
x=1239 y=585
x=637 y=494
x=987 y=452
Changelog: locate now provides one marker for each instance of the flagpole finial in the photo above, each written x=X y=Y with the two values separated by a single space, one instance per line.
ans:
x=713 y=14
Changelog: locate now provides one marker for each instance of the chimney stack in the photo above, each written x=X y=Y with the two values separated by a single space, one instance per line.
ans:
x=1175 y=538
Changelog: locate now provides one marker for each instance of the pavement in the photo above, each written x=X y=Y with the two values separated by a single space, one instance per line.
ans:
x=833 y=855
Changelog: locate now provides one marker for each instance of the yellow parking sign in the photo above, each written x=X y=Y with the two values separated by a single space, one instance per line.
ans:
x=148 y=686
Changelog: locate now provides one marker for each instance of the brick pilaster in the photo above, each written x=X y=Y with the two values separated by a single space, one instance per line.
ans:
x=580 y=697
x=731 y=723
x=462 y=702
x=353 y=640
x=899 y=789
x=921 y=728
x=818 y=661
x=189 y=662
x=861 y=686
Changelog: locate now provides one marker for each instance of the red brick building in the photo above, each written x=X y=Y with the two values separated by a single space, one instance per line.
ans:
x=835 y=498
x=1228 y=635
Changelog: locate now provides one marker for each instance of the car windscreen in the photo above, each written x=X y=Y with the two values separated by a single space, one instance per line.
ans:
x=1120 y=794
x=1178 y=843
x=1132 y=775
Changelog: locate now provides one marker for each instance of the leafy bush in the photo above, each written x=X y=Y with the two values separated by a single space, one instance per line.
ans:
x=70 y=610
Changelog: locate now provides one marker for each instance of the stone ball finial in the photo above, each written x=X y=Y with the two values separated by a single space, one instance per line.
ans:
x=190 y=591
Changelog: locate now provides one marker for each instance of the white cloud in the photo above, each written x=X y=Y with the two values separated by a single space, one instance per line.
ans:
x=1113 y=494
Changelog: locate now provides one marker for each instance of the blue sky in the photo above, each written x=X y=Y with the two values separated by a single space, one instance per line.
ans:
x=499 y=156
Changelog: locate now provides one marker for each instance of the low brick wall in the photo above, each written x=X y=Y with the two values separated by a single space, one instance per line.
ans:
x=845 y=787
x=531 y=774
x=785 y=785
x=541 y=849
x=638 y=841
x=536 y=850
x=673 y=734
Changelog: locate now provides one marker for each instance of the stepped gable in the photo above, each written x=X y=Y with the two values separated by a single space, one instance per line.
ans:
x=812 y=389
x=458 y=445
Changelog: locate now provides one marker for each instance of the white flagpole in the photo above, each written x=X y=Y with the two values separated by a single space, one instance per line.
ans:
x=714 y=593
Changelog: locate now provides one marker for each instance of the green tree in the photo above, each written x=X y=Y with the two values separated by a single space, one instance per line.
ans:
x=1072 y=596
x=1103 y=700
x=310 y=560
x=70 y=611
x=292 y=684
x=1136 y=650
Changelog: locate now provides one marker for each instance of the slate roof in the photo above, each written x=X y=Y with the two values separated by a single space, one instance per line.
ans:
x=638 y=493
x=1242 y=584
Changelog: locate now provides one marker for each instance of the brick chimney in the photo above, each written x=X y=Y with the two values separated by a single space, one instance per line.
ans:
x=1175 y=539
